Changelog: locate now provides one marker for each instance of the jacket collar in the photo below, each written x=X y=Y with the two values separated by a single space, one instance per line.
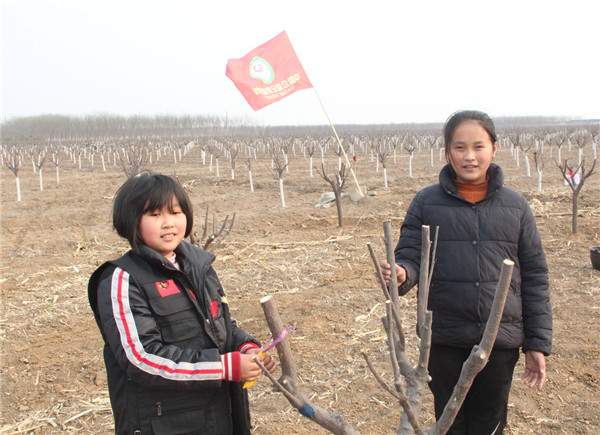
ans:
x=494 y=175
x=188 y=256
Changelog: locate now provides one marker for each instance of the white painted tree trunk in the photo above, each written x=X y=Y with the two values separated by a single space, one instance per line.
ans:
x=339 y=163
x=310 y=166
x=33 y=164
x=217 y=167
x=385 y=179
x=203 y=154
x=233 y=174
x=18 y=189
x=517 y=156
x=92 y=160
x=179 y=151
x=41 y=177
x=103 y=164
x=287 y=166
x=57 y=175
x=410 y=158
x=251 y=181
x=281 y=196
x=210 y=164
x=431 y=157
x=377 y=166
x=527 y=165
x=174 y=157
x=441 y=154
x=539 y=181
x=579 y=155
x=394 y=156
x=559 y=160
x=594 y=149
x=79 y=158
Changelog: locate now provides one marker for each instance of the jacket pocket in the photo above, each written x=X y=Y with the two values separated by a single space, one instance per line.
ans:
x=208 y=420
x=176 y=318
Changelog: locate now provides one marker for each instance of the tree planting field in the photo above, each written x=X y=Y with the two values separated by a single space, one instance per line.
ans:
x=321 y=276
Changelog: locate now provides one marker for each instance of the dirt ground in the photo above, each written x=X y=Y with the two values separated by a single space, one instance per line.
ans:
x=52 y=373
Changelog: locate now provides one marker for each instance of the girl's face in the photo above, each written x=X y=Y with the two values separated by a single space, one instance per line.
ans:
x=163 y=230
x=471 y=152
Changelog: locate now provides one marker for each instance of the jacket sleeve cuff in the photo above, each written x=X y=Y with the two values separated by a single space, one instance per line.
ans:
x=231 y=366
x=247 y=345
x=411 y=278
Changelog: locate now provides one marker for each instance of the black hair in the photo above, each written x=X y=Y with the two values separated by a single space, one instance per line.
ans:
x=146 y=192
x=457 y=118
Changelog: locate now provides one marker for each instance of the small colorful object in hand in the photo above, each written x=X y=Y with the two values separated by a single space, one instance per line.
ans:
x=268 y=345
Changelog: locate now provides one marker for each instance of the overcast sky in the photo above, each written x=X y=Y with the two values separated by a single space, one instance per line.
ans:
x=371 y=61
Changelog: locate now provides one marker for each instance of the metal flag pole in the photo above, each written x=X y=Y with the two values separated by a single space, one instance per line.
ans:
x=339 y=142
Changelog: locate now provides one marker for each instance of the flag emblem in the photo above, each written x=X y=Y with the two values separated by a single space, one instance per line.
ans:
x=262 y=70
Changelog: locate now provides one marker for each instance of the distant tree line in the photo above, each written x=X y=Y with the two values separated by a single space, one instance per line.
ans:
x=105 y=125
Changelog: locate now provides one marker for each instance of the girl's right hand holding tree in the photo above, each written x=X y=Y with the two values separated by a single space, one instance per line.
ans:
x=386 y=270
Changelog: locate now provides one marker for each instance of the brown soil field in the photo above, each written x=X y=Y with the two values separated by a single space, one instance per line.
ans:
x=52 y=373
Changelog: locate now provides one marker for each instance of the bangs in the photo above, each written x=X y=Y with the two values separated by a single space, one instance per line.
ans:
x=146 y=193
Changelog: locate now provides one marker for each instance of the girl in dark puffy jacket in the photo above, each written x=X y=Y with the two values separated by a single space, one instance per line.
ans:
x=481 y=222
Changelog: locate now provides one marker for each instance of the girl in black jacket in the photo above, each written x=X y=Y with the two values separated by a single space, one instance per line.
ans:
x=481 y=222
x=174 y=357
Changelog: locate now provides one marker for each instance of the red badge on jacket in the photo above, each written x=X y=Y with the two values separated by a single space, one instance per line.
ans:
x=214 y=308
x=166 y=288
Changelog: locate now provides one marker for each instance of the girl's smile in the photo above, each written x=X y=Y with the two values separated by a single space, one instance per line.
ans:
x=471 y=152
x=164 y=229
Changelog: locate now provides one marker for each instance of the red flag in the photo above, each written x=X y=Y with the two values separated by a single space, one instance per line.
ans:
x=268 y=73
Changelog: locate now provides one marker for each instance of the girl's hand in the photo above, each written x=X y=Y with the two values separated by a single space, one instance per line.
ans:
x=535 y=369
x=250 y=371
x=267 y=361
x=386 y=270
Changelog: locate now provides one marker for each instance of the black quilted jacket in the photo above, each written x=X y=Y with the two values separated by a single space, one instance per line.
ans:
x=473 y=241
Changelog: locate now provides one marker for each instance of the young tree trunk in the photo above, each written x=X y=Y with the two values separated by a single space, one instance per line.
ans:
x=410 y=158
x=18 y=189
x=103 y=164
x=310 y=166
x=41 y=180
x=574 y=217
x=431 y=157
x=338 y=205
x=233 y=174
x=385 y=179
x=251 y=181
x=539 y=181
x=281 y=196
x=579 y=155
x=527 y=165
x=217 y=167
x=57 y=176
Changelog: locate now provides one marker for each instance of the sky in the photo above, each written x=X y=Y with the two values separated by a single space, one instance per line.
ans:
x=370 y=62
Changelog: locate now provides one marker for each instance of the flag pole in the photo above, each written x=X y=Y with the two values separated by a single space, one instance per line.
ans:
x=339 y=142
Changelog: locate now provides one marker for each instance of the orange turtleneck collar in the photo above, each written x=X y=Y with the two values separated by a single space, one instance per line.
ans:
x=472 y=192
